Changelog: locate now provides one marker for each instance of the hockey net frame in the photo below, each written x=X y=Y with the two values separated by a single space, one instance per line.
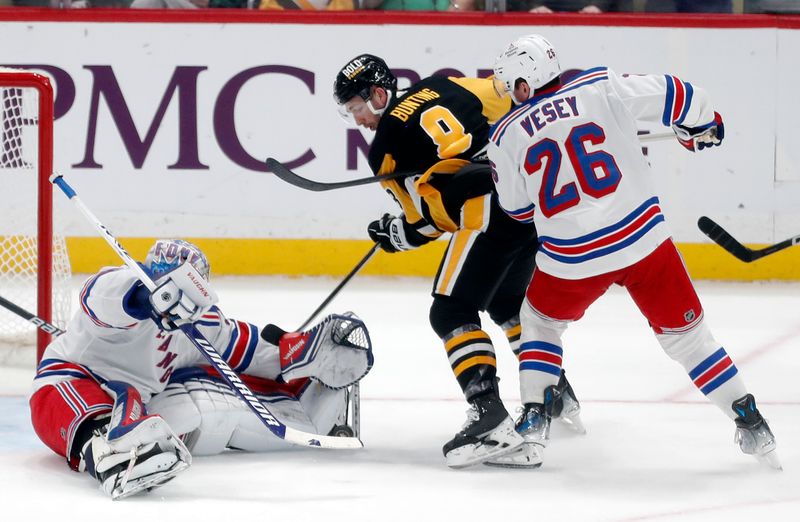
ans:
x=22 y=93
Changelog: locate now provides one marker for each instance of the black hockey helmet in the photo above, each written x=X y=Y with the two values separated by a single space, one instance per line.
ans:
x=359 y=75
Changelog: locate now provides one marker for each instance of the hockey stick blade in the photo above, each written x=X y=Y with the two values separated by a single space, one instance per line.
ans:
x=721 y=237
x=280 y=170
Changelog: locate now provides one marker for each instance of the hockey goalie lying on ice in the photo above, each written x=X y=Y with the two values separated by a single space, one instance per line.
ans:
x=126 y=398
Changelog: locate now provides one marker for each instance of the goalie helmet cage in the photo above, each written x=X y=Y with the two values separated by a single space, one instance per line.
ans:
x=34 y=266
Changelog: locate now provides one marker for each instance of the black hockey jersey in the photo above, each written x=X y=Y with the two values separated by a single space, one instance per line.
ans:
x=437 y=119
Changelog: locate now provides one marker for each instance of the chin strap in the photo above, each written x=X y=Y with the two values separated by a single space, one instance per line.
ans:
x=379 y=112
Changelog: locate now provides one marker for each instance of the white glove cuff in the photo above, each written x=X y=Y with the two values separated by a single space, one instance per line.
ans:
x=397 y=233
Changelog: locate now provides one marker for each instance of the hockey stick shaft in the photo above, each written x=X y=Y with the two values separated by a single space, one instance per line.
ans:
x=721 y=237
x=280 y=170
x=278 y=428
x=658 y=136
x=33 y=319
x=356 y=269
x=284 y=173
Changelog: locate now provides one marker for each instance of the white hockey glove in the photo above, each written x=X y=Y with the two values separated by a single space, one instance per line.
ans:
x=389 y=233
x=336 y=352
x=181 y=297
x=134 y=452
x=699 y=138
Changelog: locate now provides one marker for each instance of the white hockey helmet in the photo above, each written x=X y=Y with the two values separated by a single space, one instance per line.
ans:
x=531 y=58
x=168 y=254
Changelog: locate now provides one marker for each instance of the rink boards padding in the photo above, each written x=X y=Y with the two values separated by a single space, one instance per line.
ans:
x=298 y=257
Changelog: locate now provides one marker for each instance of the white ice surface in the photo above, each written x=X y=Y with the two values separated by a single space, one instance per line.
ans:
x=655 y=449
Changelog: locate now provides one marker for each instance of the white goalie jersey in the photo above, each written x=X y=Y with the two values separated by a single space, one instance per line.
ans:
x=569 y=160
x=106 y=341
x=304 y=377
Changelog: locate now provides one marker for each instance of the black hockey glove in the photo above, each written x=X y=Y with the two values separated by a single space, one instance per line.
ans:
x=389 y=233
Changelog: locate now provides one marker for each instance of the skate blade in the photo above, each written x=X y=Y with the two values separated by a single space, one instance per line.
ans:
x=504 y=439
x=472 y=455
x=527 y=456
x=771 y=459
x=147 y=483
x=573 y=423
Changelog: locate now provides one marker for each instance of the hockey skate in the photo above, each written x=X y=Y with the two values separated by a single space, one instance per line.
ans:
x=566 y=407
x=753 y=434
x=349 y=422
x=534 y=426
x=488 y=433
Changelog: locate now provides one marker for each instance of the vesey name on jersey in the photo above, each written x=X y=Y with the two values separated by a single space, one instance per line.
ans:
x=552 y=110
x=412 y=102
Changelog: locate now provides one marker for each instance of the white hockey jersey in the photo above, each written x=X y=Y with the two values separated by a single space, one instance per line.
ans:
x=105 y=342
x=569 y=160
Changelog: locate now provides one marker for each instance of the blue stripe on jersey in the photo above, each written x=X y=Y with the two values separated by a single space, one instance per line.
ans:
x=85 y=297
x=687 y=102
x=523 y=215
x=582 y=84
x=586 y=73
x=499 y=129
x=666 y=119
x=603 y=231
x=67 y=373
x=633 y=238
x=234 y=337
x=44 y=363
x=250 y=349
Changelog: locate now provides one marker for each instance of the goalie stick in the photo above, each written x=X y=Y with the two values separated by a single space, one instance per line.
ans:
x=38 y=322
x=284 y=173
x=721 y=237
x=278 y=428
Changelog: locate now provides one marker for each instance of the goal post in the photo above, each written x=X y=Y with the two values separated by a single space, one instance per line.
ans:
x=34 y=266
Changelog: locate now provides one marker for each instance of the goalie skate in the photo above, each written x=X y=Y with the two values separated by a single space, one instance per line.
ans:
x=158 y=468
x=753 y=434
x=348 y=424
x=488 y=433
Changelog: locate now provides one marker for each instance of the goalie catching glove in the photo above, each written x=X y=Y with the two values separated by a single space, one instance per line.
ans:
x=134 y=452
x=705 y=136
x=337 y=352
x=181 y=297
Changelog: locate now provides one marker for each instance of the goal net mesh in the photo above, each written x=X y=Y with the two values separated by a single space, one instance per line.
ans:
x=20 y=169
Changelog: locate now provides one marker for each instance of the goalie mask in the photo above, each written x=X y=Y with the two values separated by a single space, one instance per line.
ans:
x=168 y=254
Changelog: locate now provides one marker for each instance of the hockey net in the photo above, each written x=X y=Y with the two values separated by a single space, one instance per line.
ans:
x=34 y=265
